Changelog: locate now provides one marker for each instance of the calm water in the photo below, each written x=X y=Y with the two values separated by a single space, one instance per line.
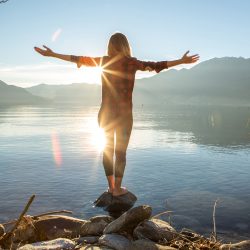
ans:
x=179 y=158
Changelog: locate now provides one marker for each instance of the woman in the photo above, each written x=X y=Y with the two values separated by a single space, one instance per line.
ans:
x=115 y=115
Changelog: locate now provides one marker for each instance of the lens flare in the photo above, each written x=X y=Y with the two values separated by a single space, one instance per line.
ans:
x=56 y=34
x=56 y=149
x=99 y=139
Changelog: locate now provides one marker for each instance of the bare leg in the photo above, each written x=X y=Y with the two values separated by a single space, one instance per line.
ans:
x=123 y=131
x=111 y=182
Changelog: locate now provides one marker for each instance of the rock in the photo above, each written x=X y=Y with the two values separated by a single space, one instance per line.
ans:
x=96 y=225
x=87 y=240
x=155 y=230
x=103 y=200
x=243 y=245
x=115 y=241
x=51 y=227
x=92 y=247
x=121 y=204
x=116 y=205
x=2 y=230
x=56 y=244
x=148 y=245
x=129 y=220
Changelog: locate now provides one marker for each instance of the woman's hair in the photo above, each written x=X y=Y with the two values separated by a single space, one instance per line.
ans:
x=118 y=44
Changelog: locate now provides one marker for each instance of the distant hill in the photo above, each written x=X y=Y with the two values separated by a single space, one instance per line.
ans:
x=13 y=95
x=224 y=81
x=73 y=93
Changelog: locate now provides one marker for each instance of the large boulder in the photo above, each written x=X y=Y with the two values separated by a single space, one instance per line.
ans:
x=95 y=225
x=104 y=199
x=155 y=230
x=129 y=220
x=56 y=244
x=148 y=245
x=116 y=205
x=115 y=241
x=243 y=245
x=58 y=226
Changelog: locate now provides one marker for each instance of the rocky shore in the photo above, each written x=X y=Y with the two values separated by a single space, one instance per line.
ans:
x=134 y=229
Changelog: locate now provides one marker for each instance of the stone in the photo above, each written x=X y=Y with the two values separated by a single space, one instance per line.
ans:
x=87 y=240
x=103 y=200
x=95 y=225
x=115 y=241
x=56 y=244
x=148 y=245
x=155 y=230
x=58 y=226
x=121 y=204
x=129 y=220
x=243 y=245
x=2 y=230
x=92 y=247
x=116 y=205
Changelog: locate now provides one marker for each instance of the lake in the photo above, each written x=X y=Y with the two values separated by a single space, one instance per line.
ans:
x=180 y=159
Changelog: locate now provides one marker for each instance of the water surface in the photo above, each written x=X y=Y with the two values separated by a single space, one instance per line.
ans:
x=179 y=159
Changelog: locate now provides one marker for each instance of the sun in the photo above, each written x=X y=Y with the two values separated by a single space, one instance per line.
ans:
x=98 y=139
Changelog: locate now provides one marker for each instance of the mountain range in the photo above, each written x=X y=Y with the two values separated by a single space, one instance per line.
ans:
x=13 y=95
x=220 y=81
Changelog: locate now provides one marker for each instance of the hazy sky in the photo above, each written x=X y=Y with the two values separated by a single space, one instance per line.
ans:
x=156 y=29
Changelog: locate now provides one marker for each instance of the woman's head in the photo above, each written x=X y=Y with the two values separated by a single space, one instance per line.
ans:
x=118 y=44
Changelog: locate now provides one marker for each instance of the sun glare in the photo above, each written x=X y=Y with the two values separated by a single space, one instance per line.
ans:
x=98 y=139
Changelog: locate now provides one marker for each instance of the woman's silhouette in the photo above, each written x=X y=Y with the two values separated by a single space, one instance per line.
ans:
x=115 y=115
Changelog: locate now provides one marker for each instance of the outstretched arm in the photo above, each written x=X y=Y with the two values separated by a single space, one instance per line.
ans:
x=79 y=60
x=184 y=60
x=48 y=52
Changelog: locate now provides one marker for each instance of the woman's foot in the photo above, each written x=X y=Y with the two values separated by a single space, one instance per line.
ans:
x=110 y=190
x=119 y=191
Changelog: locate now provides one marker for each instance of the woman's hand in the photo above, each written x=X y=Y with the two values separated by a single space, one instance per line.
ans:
x=45 y=52
x=189 y=59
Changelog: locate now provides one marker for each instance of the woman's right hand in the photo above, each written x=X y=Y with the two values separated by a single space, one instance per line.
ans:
x=45 y=52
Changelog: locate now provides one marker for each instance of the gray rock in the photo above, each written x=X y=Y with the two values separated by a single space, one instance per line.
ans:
x=116 y=205
x=87 y=240
x=115 y=241
x=148 y=245
x=95 y=225
x=155 y=230
x=243 y=245
x=56 y=244
x=129 y=220
x=92 y=247
x=2 y=230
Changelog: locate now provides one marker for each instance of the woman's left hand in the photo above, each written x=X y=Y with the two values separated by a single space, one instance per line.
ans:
x=189 y=59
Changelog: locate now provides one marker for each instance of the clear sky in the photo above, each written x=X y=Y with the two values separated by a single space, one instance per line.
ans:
x=156 y=29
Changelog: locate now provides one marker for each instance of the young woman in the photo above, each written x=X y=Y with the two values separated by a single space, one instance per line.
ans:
x=115 y=115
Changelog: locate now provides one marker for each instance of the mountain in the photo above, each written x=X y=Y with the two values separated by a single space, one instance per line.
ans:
x=73 y=93
x=12 y=95
x=223 y=81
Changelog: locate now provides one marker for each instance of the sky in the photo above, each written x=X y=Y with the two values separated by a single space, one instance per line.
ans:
x=157 y=30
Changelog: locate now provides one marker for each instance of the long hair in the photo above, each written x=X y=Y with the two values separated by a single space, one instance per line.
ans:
x=118 y=44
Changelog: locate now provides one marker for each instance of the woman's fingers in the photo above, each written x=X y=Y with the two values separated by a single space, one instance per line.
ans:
x=46 y=47
x=186 y=53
